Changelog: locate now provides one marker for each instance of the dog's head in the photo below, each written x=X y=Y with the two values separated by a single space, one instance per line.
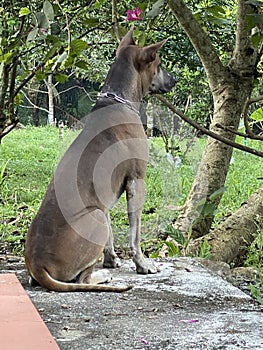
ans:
x=154 y=79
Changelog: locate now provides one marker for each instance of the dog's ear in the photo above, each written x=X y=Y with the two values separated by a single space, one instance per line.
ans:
x=126 y=40
x=148 y=53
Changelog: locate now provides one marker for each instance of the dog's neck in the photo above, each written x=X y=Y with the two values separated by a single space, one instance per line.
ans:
x=123 y=80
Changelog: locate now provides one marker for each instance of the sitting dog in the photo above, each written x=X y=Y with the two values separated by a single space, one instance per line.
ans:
x=72 y=227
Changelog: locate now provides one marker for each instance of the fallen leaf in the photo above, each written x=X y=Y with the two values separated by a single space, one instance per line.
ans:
x=144 y=341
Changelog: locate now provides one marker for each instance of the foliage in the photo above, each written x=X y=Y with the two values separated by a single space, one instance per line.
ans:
x=255 y=258
x=32 y=155
x=257 y=115
x=256 y=292
x=78 y=37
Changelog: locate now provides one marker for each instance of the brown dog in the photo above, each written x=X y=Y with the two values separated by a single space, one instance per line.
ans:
x=72 y=227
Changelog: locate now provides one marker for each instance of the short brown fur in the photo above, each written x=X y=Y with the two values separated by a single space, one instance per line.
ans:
x=72 y=228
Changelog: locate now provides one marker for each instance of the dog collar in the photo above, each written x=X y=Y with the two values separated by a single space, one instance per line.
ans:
x=113 y=96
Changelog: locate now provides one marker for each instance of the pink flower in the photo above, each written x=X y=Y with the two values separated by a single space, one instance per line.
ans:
x=43 y=31
x=134 y=15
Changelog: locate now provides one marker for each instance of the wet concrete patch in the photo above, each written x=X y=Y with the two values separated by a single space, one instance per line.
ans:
x=185 y=306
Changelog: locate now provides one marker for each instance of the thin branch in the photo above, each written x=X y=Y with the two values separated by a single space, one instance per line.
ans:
x=206 y=131
x=29 y=77
x=115 y=20
x=70 y=116
x=8 y=129
x=249 y=132
x=67 y=26
x=10 y=102
x=32 y=103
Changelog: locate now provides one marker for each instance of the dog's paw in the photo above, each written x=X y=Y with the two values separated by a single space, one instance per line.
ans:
x=111 y=261
x=146 y=268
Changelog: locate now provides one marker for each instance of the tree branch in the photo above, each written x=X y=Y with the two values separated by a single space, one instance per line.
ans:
x=32 y=103
x=115 y=20
x=243 y=47
x=206 y=131
x=200 y=41
x=5 y=81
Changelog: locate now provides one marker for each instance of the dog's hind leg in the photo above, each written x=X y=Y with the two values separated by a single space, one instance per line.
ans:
x=110 y=257
x=135 y=199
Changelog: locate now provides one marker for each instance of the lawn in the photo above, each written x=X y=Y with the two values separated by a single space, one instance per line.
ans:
x=28 y=158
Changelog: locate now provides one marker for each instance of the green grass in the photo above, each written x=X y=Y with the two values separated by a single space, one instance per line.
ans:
x=29 y=156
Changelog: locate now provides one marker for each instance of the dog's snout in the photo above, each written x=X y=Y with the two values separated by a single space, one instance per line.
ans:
x=163 y=82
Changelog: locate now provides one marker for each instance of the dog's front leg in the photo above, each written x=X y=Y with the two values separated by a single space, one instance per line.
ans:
x=135 y=200
x=110 y=257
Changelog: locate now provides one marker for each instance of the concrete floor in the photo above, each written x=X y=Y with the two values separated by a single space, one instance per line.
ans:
x=185 y=306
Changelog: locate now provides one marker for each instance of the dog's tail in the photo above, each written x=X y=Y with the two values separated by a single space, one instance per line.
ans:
x=48 y=282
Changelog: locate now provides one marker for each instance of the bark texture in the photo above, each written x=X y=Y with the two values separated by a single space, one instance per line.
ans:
x=229 y=242
x=230 y=85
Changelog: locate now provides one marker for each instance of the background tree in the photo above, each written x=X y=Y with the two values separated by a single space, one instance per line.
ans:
x=78 y=39
x=231 y=83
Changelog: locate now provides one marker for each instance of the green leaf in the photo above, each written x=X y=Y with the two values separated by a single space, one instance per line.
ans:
x=254 y=19
x=173 y=249
x=52 y=51
x=156 y=9
x=77 y=46
x=142 y=39
x=217 y=11
x=257 y=115
x=32 y=35
x=175 y=234
x=24 y=11
x=8 y=57
x=51 y=39
x=18 y=99
x=42 y=20
x=257 y=39
x=40 y=75
x=61 y=78
x=48 y=10
x=254 y=3
x=91 y=22
x=208 y=210
x=82 y=65
x=256 y=293
x=217 y=193
x=205 y=250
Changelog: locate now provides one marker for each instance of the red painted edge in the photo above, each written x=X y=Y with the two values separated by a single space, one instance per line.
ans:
x=21 y=327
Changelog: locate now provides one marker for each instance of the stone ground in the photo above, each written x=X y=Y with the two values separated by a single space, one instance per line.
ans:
x=185 y=306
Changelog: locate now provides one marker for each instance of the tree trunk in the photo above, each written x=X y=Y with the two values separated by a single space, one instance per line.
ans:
x=230 y=85
x=230 y=240
x=51 y=119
